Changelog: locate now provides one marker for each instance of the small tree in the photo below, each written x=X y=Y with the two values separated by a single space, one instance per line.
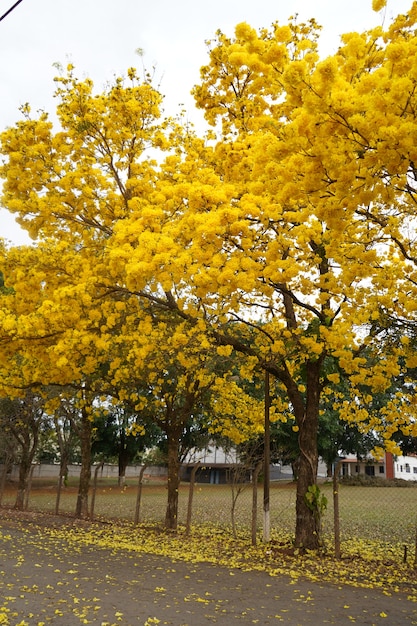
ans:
x=117 y=439
x=21 y=419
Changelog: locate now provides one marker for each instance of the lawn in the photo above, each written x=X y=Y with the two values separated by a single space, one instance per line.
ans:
x=378 y=526
x=388 y=514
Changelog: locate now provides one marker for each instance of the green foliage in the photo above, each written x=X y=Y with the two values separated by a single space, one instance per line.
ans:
x=48 y=448
x=316 y=500
x=317 y=503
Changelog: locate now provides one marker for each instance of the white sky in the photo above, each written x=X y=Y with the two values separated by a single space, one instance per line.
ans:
x=100 y=38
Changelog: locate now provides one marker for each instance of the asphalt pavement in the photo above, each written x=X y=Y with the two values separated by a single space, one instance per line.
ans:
x=48 y=581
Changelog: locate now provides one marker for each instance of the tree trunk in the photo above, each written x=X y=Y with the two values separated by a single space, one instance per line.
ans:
x=171 y=516
x=23 y=482
x=85 y=473
x=308 y=531
x=6 y=467
x=63 y=477
x=123 y=459
x=123 y=463
x=28 y=449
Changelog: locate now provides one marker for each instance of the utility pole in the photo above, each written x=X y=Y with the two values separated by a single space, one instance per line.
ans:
x=267 y=458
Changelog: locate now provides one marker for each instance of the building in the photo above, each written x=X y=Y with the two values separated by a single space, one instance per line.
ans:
x=405 y=467
x=217 y=466
x=389 y=467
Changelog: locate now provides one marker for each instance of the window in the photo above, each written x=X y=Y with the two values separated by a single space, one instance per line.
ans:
x=414 y=470
x=407 y=468
x=370 y=470
x=381 y=469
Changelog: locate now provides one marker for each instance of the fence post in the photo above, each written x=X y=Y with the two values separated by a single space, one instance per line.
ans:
x=415 y=550
x=255 y=477
x=93 y=497
x=3 y=480
x=139 y=494
x=190 y=498
x=58 y=491
x=336 y=515
x=28 y=488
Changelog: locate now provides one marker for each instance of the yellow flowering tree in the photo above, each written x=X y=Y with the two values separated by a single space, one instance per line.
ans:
x=20 y=420
x=57 y=324
x=320 y=229
x=277 y=226
x=320 y=225
x=288 y=239
x=169 y=372
x=75 y=323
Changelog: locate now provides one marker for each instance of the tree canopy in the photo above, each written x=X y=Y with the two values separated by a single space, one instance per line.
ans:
x=287 y=234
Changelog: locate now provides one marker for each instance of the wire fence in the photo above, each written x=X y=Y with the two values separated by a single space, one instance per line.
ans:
x=367 y=514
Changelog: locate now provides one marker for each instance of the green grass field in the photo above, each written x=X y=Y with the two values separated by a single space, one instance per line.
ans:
x=388 y=514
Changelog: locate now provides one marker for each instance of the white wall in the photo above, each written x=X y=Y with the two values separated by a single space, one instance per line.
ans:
x=108 y=471
x=405 y=467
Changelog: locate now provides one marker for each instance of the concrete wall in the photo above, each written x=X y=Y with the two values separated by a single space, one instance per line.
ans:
x=46 y=472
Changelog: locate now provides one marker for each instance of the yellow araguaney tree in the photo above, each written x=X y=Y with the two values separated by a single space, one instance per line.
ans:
x=295 y=224
x=173 y=376
x=67 y=320
x=57 y=323
x=48 y=337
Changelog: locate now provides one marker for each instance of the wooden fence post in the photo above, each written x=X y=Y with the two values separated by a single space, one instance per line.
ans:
x=139 y=494
x=190 y=498
x=93 y=497
x=255 y=478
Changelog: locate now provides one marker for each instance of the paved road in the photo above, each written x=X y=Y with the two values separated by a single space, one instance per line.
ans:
x=46 y=581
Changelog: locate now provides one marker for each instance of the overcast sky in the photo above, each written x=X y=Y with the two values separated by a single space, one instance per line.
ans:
x=100 y=38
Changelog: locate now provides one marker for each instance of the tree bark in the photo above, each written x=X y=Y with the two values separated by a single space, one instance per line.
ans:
x=63 y=476
x=307 y=530
x=6 y=467
x=28 y=448
x=124 y=458
x=306 y=413
x=171 y=516
x=23 y=482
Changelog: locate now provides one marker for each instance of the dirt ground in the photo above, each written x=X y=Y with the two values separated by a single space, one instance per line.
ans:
x=45 y=580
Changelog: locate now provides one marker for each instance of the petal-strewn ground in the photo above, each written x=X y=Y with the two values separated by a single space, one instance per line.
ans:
x=47 y=576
